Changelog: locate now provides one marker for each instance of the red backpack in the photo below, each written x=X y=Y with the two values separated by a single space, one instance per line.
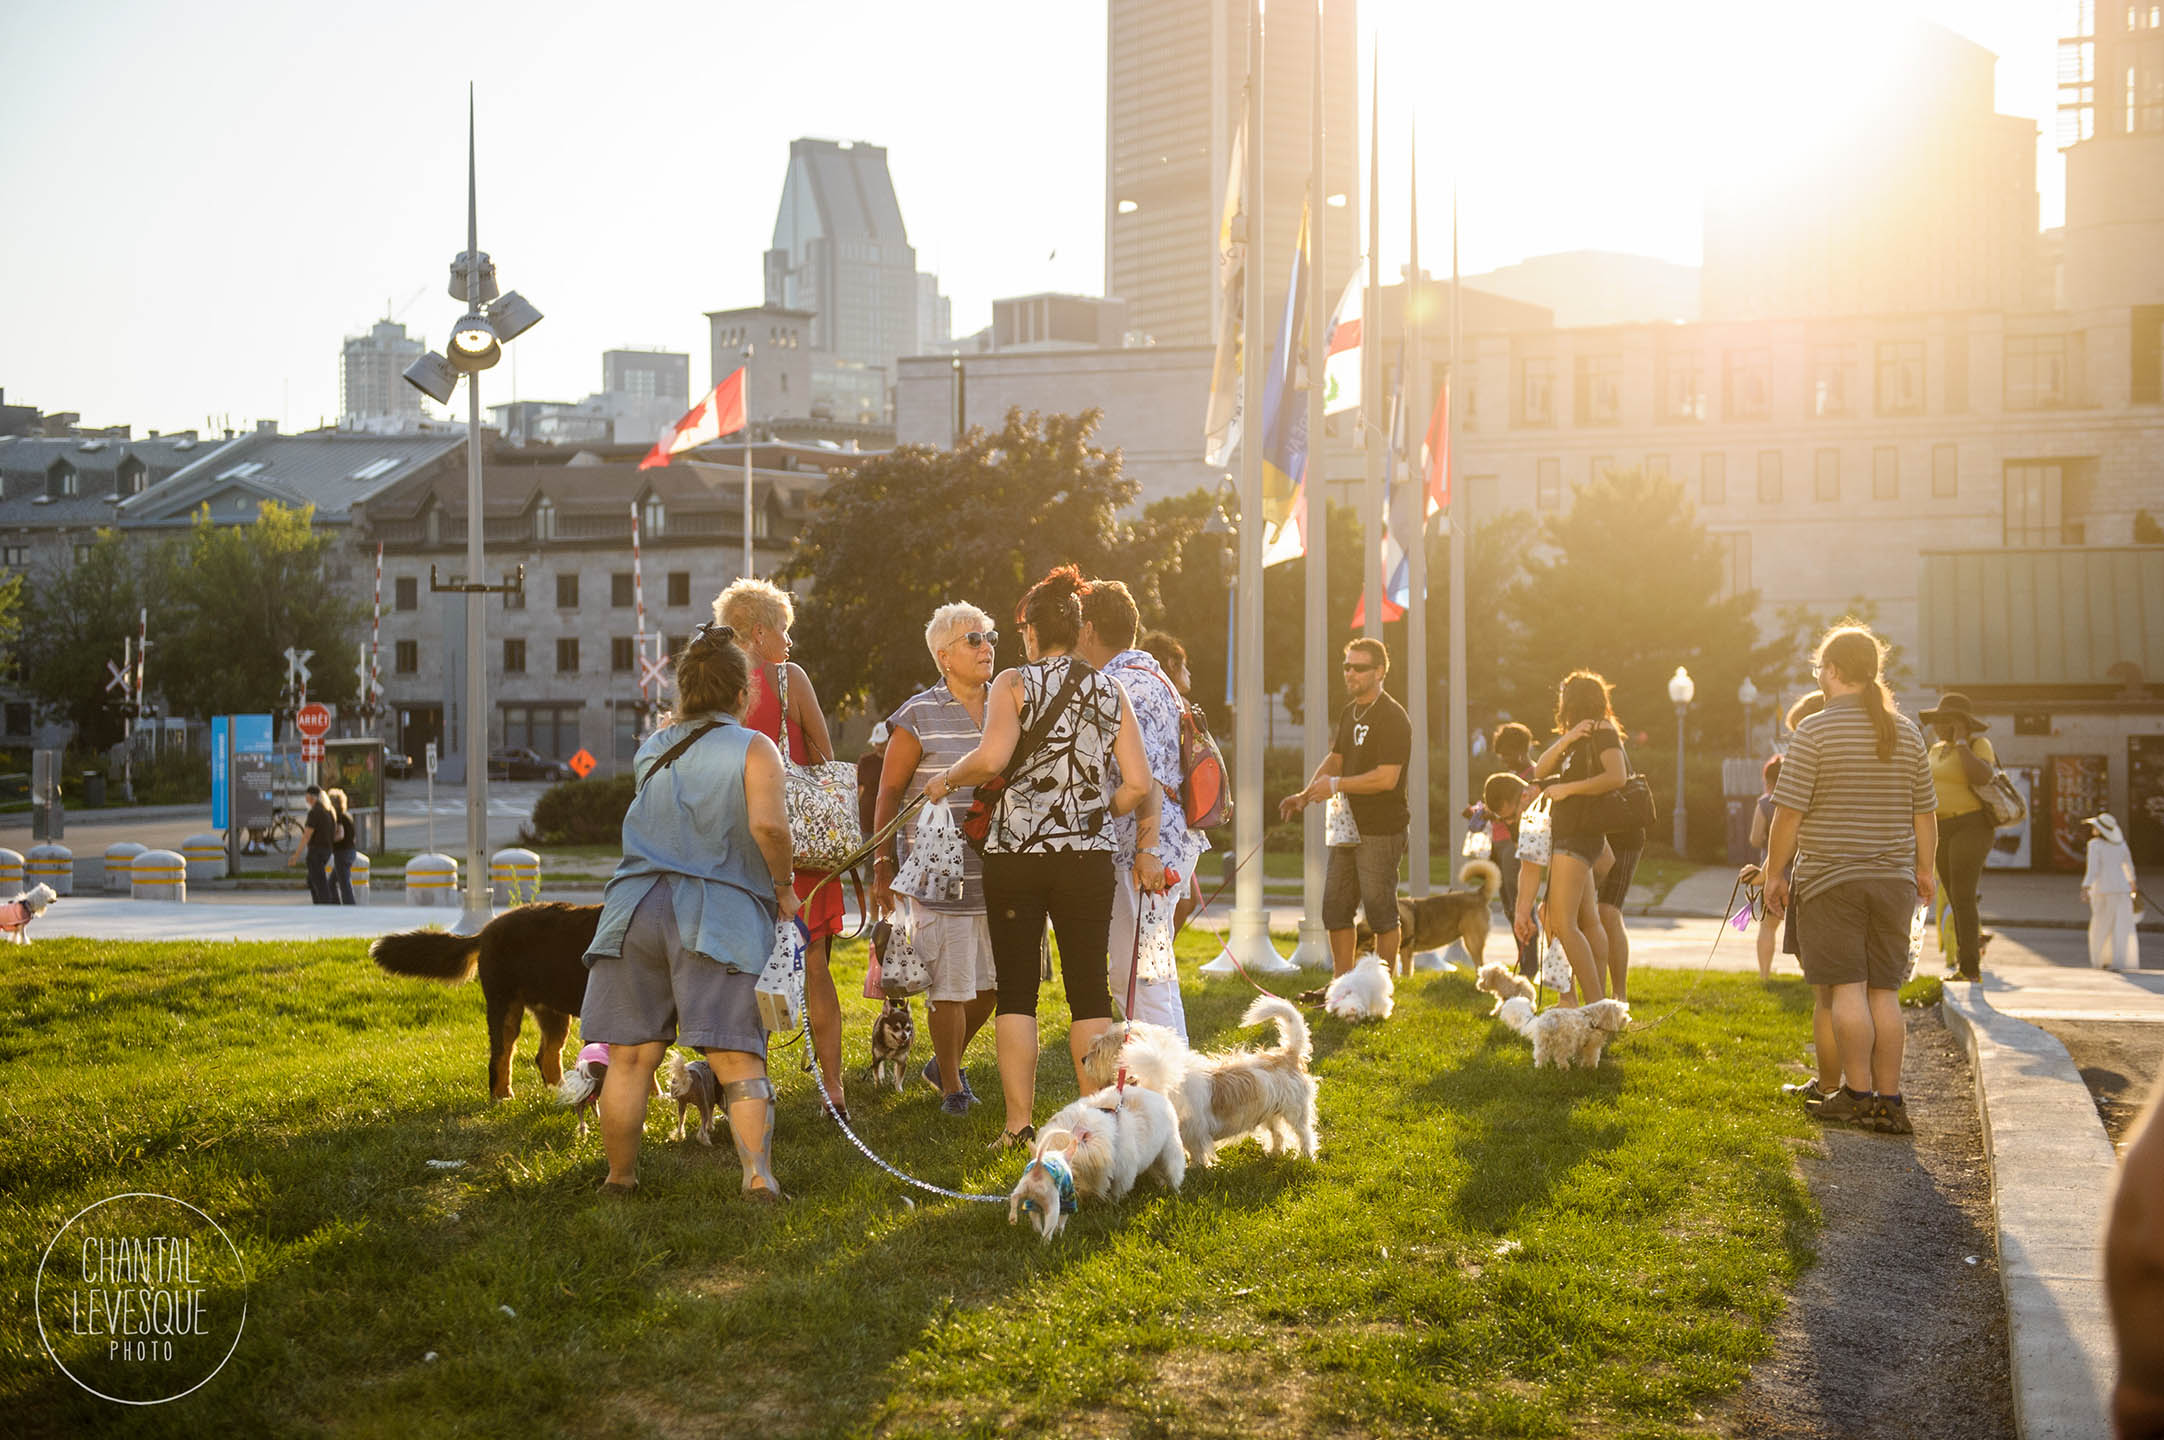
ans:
x=1205 y=795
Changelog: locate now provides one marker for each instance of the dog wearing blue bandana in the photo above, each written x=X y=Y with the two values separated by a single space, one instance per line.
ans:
x=1045 y=1193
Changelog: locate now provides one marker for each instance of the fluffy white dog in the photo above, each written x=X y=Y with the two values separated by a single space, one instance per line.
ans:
x=1228 y=1095
x=16 y=914
x=1565 y=1037
x=1504 y=982
x=1364 y=992
x=1113 y=1138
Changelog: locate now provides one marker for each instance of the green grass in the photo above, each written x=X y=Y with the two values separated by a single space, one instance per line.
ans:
x=1482 y=1249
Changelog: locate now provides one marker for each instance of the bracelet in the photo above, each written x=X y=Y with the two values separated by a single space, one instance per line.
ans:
x=1334 y=786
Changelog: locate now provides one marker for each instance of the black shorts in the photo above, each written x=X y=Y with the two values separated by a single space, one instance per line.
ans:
x=1617 y=885
x=1856 y=933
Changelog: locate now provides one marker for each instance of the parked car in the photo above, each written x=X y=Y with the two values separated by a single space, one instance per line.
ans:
x=400 y=767
x=520 y=763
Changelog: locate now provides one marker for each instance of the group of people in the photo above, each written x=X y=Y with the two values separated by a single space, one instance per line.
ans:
x=1087 y=834
x=329 y=842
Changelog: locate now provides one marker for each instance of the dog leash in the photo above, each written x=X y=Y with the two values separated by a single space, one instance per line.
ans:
x=1238 y=866
x=1705 y=965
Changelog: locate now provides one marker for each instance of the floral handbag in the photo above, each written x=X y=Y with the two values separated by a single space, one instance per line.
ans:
x=1555 y=972
x=1535 y=833
x=1338 y=826
x=902 y=971
x=821 y=802
x=780 y=990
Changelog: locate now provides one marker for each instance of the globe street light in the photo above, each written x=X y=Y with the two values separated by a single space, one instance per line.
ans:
x=1680 y=689
x=1747 y=697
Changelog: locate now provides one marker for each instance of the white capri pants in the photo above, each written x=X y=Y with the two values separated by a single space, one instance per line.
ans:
x=1157 y=1001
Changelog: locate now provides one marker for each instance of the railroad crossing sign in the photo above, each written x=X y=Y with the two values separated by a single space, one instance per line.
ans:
x=653 y=672
x=582 y=764
x=313 y=720
x=311 y=747
x=121 y=678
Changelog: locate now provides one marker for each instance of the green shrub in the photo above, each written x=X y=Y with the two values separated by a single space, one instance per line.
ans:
x=581 y=812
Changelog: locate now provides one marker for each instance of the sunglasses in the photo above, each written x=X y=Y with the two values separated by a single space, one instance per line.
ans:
x=986 y=638
x=1358 y=668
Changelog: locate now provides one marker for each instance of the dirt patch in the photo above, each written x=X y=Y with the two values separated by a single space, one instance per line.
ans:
x=2118 y=1062
x=1900 y=1327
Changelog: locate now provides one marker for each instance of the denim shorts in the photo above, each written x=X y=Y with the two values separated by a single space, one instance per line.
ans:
x=1363 y=877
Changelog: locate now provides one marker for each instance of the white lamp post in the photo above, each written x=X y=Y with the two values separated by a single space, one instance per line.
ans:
x=1681 y=688
x=1747 y=697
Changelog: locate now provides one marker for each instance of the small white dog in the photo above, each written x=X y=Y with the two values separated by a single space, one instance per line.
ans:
x=1045 y=1193
x=1504 y=982
x=16 y=914
x=1364 y=992
x=1565 y=1037
x=1113 y=1138
x=1223 y=1097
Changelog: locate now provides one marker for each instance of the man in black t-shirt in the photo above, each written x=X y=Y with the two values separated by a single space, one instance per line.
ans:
x=1366 y=764
x=319 y=833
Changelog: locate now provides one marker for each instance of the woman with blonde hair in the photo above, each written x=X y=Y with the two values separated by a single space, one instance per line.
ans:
x=759 y=615
x=1585 y=761
x=344 y=847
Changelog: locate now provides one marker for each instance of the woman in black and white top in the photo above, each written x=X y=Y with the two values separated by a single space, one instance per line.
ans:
x=1049 y=852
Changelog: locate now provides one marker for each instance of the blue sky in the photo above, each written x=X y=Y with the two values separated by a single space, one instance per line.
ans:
x=205 y=198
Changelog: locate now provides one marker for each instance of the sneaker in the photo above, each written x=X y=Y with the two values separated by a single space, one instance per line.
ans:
x=1807 y=1092
x=1890 y=1116
x=956 y=1104
x=1843 y=1107
x=930 y=1072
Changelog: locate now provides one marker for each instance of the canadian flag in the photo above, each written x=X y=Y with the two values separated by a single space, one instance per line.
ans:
x=716 y=415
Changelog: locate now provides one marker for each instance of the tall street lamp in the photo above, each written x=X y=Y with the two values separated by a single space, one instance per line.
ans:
x=1747 y=697
x=477 y=342
x=1680 y=689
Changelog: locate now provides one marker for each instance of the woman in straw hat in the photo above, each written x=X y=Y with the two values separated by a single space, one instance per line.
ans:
x=1961 y=760
x=2108 y=886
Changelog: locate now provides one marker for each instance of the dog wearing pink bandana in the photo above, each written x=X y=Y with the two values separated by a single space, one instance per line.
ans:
x=581 y=1087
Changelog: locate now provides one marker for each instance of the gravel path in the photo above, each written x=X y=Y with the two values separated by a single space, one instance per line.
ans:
x=2118 y=1062
x=1900 y=1328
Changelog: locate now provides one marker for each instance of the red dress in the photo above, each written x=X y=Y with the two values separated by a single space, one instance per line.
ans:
x=823 y=917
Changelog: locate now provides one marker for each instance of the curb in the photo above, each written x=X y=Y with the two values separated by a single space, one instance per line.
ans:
x=2052 y=1168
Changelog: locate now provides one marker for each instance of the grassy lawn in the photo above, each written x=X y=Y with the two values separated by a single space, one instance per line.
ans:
x=1482 y=1249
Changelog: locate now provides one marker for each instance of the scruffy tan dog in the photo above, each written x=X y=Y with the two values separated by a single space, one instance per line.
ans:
x=1503 y=981
x=1225 y=1096
x=1565 y=1036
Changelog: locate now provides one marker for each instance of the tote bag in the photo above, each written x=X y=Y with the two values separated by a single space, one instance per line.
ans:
x=820 y=800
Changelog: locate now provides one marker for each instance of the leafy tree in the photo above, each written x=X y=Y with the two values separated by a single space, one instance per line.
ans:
x=77 y=618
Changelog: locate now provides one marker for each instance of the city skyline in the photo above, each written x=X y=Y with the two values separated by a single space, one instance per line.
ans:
x=296 y=175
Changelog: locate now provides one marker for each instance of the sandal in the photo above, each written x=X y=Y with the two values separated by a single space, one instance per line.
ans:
x=618 y=1189
x=1020 y=1139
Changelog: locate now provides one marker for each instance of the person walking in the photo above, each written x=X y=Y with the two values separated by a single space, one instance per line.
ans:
x=2109 y=886
x=319 y=839
x=1171 y=657
x=1366 y=764
x=1585 y=762
x=1768 y=933
x=688 y=919
x=781 y=702
x=344 y=846
x=1856 y=809
x=1053 y=727
x=929 y=732
x=1961 y=760
x=1109 y=622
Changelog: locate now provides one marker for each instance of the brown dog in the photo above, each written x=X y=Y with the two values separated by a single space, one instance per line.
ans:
x=531 y=958
x=1434 y=921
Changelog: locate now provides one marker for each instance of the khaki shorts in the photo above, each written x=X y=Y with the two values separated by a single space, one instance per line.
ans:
x=957 y=947
x=1856 y=933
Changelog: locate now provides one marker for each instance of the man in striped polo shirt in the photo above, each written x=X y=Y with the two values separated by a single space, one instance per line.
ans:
x=1856 y=810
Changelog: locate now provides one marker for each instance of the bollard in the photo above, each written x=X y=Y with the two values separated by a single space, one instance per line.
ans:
x=514 y=877
x=205 y=855
x=52 y=865
x=119 y=856
x=432 y=880
x=159 y=875
x=360 y=878
x=11 y=874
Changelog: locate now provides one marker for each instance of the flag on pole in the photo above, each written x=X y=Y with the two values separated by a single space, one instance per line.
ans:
x=716 y=415
x=1435 y=452
x=1397 y=572
x=1284 y=407
x=1221 y=422
x=1341 y=362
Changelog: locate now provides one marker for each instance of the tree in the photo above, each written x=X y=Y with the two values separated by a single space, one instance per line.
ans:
x=78 y=618
x=239 y=595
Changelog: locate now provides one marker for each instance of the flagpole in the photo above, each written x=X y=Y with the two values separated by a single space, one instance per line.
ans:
x=1416 y=554
x=748 y=571
x=1461 y=759
x=1371 y=364
x=1249 y=939
x=1313 y=950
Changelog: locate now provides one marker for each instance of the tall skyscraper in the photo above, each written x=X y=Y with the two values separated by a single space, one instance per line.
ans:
x=2111 y=124
x=1175 y=72
x=372 y=393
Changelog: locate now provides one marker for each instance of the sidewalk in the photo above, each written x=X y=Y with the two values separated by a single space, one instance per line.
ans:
x=2007 y=897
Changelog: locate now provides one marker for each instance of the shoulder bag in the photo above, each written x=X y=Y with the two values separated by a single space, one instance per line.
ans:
x=2002 y=802
x=1205 y=799
x=985 y=798
x=821 y=801
x=1628 y=807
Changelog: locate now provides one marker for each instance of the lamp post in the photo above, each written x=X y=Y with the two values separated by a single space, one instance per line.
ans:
x=477 y=342
x=961 y=400
x=748 y=566
x=1680 y=689
x=1747 y=697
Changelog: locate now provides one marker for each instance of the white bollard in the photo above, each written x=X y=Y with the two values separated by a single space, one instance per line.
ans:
x=360 y=878
x=205 y=855
x=52 y=865
x=159 y=875
x=432 y=880
x=119 y=856
x=11 y=874
x=514 y=877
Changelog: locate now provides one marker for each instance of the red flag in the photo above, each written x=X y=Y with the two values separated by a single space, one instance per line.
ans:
x=1437 y=451
x=716 y=415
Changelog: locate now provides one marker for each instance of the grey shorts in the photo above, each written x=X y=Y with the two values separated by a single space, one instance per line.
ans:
x=957 y=947
x=658 y=990
x=1363 y=877
x=1856 y=933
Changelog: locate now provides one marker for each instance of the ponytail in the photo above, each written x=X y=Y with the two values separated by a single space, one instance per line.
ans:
x=1878 y=704
x=1858 y=655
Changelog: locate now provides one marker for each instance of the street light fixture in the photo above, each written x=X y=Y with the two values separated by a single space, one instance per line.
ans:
x=1747 y=697
x=1681 y=689
x=474 y=347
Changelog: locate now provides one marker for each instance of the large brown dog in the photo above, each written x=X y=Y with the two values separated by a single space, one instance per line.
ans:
x=530 y=958
x=1436 y=920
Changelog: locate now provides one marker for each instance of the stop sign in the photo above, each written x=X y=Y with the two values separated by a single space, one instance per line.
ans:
x=313 y=720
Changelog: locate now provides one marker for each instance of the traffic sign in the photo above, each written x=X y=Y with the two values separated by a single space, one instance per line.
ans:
x=313 y=720
x=311 y=747
x=430 y=754
x=582 y=764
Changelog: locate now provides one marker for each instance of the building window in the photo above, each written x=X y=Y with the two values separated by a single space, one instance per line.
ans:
x=514 y=657
x=567 y=655
x=1885 y=473
x=549 y=730
x=1735 y=562
x=567 y=591
x=1747 y=384
x=60 y=481
x=1548 y=490
x=623 y=654
x=657 y=518
x=1536 y=391
x=406 y=657
x=1945 y=472
x=15 y=557
x=1683 y=387
x=2045 y=503
x=679 y=587
x=1713 y=478
x=625 y=724
x=405 y=593
x=1600 y=389
x=544 y=519
x=1901 y=377
x=1656 y=467
x=2036 y=372
x=1769 y=477
x=621 y=590
x=1826 y=475
x=1829 y=381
